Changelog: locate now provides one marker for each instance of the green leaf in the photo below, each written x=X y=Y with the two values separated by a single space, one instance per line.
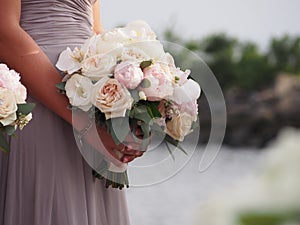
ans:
x=146 y=129
x=4 y=146
x=9 y=130
x=155 y=128
x=61 y=86
x=145 y=83
x=174 y=142
x=141 y=113
x=146 y=64
x=135 y=95
x=25 y=108
x=152 y=108
x=119 y=129
x=170 y=151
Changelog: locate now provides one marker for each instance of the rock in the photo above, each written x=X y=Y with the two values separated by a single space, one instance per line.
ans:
x=255 y=118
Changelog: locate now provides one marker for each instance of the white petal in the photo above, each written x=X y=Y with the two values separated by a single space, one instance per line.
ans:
x=66 y=62
x=189 y=91
x=9 y=119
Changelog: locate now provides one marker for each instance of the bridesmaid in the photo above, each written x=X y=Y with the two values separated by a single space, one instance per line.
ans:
x=44 y=180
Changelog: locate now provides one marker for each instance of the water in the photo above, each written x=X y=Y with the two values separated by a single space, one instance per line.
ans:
x=177 y=200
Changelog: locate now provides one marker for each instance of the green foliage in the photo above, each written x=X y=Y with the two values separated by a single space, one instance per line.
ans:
x=253 y=69
x=269 y=218
x=145 y=64
x=118 y=128
x=284 y=53
x=241 y=64
x=61 y=86
x=25 y=109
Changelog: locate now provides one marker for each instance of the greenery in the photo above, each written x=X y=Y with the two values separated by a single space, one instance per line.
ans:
x=242 y=64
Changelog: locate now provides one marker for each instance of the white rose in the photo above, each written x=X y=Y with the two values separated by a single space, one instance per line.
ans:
x=89 y=47
x=102 y=44
x=132 y=53
x=111 y=97
x=21 y=94
x=187 y=92
x=78 y=89
x=10 y=79
x=152 y=49
x=116 y=35
x=8 y=107
x=99 y=66
x=169 y=60
x=179 y=126
x=139 y=30
x=70 y=61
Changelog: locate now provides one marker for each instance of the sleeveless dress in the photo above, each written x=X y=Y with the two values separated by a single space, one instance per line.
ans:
x=44 y=180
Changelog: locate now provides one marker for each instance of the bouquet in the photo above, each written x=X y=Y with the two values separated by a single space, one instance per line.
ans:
x=14 y=111
x=124 y=76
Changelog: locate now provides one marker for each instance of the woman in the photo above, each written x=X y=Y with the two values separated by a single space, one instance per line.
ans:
x=44 y=180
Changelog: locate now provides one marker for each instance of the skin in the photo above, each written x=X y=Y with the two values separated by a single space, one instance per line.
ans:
x=20 y=52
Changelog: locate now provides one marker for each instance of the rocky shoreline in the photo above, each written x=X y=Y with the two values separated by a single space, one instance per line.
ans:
x=255 y=118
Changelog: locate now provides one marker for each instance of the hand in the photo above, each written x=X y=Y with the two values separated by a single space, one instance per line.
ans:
x=126 y=152
x=102 y=141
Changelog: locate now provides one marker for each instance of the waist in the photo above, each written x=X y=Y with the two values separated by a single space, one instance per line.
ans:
x=58 y=36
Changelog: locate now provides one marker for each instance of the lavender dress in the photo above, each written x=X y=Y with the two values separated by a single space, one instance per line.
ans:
x=44 y=180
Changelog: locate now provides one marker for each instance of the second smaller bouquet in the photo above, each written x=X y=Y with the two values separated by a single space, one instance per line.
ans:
x=15 y=112
x=126 y=75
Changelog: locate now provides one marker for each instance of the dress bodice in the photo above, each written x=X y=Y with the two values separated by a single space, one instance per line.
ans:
x=57 y=22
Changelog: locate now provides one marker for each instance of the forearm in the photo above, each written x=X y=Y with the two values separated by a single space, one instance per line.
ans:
x=21 y=53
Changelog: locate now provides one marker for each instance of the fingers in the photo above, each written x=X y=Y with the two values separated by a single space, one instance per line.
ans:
x=127 y=158
x=130 y=154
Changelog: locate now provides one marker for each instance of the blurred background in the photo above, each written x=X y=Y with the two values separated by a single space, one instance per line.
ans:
x=253 y=48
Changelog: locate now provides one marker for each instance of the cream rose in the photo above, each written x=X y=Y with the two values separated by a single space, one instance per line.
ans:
x=111 y=97
x=98 y=66
x=10 y=79
x=179 y=126
x=79 y=90
x=8 y=107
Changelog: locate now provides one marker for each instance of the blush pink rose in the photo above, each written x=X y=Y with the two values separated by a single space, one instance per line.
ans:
x=181 y=75
x=160 y=83
x=189 y=107
x=129 y=74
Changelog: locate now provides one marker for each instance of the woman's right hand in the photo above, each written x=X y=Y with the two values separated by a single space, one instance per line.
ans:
x=103 y=142
x=126 y=152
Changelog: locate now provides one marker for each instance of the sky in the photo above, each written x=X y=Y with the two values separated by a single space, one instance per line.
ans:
x=254 y=20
